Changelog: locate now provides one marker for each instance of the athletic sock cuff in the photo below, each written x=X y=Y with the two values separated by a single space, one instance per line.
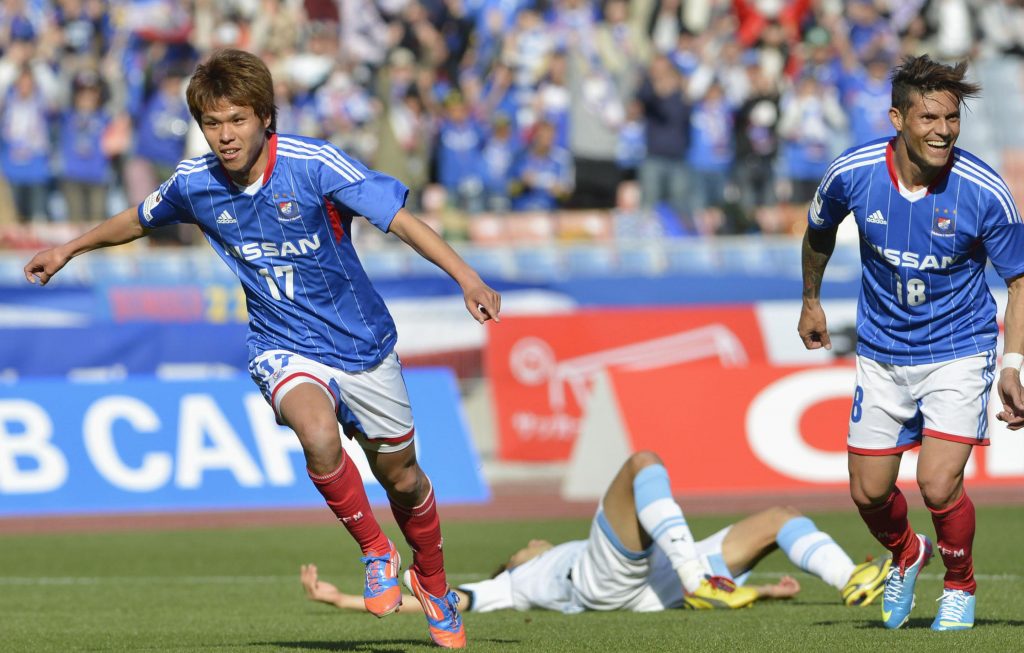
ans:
x=956 y=504
x=793 y=530
x=650 y=484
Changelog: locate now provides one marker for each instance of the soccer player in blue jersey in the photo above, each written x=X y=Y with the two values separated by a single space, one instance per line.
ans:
x=929 y=216
x=278 y=210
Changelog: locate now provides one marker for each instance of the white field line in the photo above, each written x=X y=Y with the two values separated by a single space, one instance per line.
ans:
x=1010 y=578
x=176 y=580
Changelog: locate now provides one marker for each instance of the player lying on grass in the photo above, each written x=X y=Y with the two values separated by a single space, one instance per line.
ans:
x=642 y=557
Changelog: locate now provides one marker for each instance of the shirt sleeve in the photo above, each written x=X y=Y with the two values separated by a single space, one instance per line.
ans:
x=359 y=190
x=1003 y=235
x=829 y=205
x=490 y=595
x=166 y=205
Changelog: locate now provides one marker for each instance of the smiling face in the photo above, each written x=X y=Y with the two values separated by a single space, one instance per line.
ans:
x=238 y=137
x=927 y=131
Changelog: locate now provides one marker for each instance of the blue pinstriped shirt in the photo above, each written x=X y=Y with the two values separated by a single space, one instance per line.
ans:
x=288 y=241
x=923 y=295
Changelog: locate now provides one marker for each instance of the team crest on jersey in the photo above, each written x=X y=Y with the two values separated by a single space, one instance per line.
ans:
x=944 y=223
x=287 y=208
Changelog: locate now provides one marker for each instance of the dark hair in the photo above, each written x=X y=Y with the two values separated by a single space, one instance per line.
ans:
x=923 y=75
x=236 y=76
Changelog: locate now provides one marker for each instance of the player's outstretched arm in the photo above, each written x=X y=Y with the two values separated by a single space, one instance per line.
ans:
x=817 y=249
x=122 y=228
x=482 y=301
x=319 y=590
x=1011 y=393
x=324 y=592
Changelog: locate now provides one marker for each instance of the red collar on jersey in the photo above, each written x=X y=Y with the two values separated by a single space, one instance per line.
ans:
x=271 y=157
x=889 y=151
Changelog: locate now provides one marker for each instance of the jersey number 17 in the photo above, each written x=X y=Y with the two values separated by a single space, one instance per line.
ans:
x=280 y=271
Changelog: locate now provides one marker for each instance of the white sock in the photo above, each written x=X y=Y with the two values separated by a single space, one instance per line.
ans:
x=815 y=551
x=664 y=521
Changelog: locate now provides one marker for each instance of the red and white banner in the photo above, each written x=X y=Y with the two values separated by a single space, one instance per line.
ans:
x=757 y=429
x=727 y=396
x=541 y=369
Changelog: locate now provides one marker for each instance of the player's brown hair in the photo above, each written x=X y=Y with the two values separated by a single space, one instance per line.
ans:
x=236 y=76
x=924 y=75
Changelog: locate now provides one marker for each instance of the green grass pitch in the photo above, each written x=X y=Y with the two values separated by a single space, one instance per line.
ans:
x=238 y=590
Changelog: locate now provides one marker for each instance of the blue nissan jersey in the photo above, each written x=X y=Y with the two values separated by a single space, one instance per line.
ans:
x=923 y=295
x=288 y=241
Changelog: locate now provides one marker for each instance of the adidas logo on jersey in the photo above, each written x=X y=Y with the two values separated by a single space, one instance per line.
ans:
x=877 y=218
x=226 y=218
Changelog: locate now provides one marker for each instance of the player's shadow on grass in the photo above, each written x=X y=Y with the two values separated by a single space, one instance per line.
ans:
x=371 y=646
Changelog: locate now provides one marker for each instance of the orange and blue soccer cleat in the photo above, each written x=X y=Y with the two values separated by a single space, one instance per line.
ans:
x=382 y=595
x=443 y=618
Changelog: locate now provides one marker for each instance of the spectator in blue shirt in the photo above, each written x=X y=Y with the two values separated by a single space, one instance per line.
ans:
x=86 y=166
x=162 y=124
x=811 y=126
x=25 y=146
x=543 y=176
x=500 y=153
x=460 y=166
x=710 y=157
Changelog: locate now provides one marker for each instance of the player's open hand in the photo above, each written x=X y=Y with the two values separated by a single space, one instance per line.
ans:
x=45 y=264
x=316 y=589
x=483 y=302
x=1011 y=393
x=786 y=588
x=812 y=327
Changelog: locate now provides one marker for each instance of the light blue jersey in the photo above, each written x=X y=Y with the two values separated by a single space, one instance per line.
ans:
x=923 y=295
x=288 y=241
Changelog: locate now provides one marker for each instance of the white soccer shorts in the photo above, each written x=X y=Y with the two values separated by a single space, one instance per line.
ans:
x=608 y=576
x=895 y=405
x=372 y=405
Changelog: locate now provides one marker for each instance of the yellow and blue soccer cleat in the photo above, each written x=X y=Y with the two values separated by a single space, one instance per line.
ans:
x=718 y=593
x=956 y=611
x=866 y=582
x=898 y=596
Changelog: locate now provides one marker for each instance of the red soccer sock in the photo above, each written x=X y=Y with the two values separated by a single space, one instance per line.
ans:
x=345 y=495
x=954 y=532
x=422 y=529
x=890 y=526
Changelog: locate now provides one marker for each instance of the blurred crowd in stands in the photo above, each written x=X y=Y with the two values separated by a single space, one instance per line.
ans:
x=718 y=115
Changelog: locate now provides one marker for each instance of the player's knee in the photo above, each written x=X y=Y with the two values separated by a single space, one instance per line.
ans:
x=642 y=459
x=785 y=513
x=402 y=481
x=938 y=493
x=779 y=515
x=321 y=446
x=867 y=494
